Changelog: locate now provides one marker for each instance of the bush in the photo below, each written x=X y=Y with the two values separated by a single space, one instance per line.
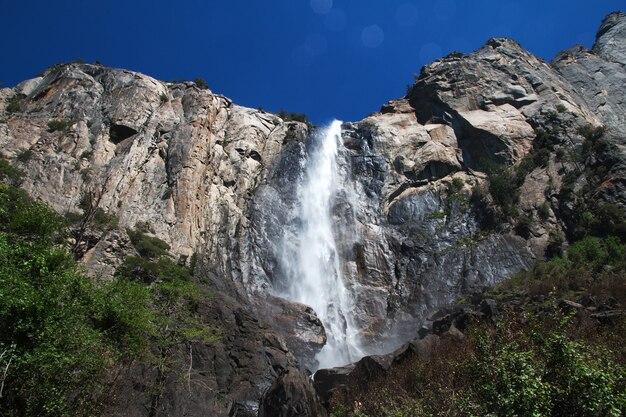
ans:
x=21 y=215
x=122 y=315
x=24 y=155
x=503 y=188
x=541 y=372
x=296 y=117
x=60 y=331
x=10 y=174
x=523 y=225
x=507 y=381
x=59 y=125
x=591 y=132
x=149 y=247
x=148 y=271
x=13 y=104
x=596 y=253
x=456 y=185
x=202 y=85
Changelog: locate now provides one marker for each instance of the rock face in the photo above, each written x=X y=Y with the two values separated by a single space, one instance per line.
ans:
x=599 y=75
x=219 y=183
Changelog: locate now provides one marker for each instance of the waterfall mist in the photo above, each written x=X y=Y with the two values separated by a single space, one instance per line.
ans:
x=310 y=257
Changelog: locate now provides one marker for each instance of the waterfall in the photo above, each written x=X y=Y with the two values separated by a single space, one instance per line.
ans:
x=311 y=259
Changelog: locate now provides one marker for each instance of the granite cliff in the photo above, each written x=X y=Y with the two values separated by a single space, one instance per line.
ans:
x=218 y=183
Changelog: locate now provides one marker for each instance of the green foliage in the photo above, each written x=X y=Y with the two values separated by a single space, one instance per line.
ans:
x=164 y=98
x=86 y=154
x=456 y=185
x=122 y=315
x=13 y=104
x=522 y=366
x=60 y=332
x=29 y=219
x=595 y=253
x=175 y=302
x=149 y=247
x=148 y=270
x=9 y=174
x=503 y=188
x=603 y=220
x=202 y=85
x=59 y=329
x=591 y=132
x=24 y=155
x=59 y=125
x=561 y=108
x=296 y=117
x=438 y=215
x=523 y=225
x=508 y=380
x=542 y=372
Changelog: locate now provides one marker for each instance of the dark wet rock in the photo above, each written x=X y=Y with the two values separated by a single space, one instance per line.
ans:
x=291 y=395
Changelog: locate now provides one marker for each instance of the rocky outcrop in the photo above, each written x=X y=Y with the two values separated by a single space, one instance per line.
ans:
x=599 y=75
x=226 y=377
x=291 y=395
x=185 y=162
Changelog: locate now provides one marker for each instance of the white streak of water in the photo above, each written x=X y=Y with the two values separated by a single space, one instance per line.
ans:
x=312 y=262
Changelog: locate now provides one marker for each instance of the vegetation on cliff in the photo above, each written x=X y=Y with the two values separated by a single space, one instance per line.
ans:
x=62 y=335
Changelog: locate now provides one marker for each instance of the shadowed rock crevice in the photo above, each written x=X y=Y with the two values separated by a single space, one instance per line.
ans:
x=119 y=133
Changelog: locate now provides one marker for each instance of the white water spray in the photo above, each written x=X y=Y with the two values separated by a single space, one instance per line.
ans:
x=311 y=260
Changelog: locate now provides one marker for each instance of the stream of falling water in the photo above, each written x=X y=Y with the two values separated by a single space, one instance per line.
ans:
x=314 y=266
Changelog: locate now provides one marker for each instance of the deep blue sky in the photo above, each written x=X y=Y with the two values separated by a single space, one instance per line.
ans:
x=329 y=59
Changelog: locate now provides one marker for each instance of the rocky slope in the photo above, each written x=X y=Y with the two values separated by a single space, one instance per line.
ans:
x=218 y=183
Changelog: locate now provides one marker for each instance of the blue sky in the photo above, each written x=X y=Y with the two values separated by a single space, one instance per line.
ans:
x=326 y=58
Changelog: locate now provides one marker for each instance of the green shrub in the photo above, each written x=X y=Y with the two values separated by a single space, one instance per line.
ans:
x=9 y=174
x=503 y=188
x=544 y=210
x=202 y=85
x=507 y=381
x=13 y=104
x=596 y=253
x=438 y=215
x=604 y=220
x=24 y=155
x=542 y=372
x=149 y=247
x=591 y=132
x=523 y=225
x=164 y=98
x=21 y=215
x=59 y=125
x=296 y=117
x=456 y=184
x=122 y=315
x=148 y=271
